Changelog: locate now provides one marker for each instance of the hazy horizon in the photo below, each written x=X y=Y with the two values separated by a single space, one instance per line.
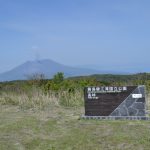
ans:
x=117 y=69
x=112 y=35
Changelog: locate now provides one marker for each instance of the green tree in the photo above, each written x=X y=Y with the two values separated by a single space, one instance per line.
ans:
x=58 y=78
x=56 y=83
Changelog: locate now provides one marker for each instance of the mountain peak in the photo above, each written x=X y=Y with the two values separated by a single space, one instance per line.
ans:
x=47 y=67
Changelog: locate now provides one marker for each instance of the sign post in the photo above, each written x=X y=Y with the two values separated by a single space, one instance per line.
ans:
x=115 y=102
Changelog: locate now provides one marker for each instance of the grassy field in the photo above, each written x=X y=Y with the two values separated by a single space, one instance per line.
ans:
x=52 y=122
x=59 y=128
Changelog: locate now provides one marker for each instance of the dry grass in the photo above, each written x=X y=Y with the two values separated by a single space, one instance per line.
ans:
x=37 y=99
x=39 y=121
x=59 y=128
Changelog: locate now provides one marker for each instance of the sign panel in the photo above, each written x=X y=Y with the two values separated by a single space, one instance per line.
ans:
x=136 y=95
x=114 y=100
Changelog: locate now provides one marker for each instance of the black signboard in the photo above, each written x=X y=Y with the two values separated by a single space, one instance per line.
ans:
x=114 y=101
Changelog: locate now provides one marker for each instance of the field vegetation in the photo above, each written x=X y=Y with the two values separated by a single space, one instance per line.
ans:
x=45 y=114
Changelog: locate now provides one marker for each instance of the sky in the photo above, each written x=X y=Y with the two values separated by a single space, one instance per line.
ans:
x=110 y=34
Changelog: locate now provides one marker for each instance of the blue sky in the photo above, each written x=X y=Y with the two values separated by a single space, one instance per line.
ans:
x=109 y=33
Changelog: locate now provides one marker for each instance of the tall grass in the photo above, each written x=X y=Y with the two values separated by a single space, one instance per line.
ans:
x=37 y=99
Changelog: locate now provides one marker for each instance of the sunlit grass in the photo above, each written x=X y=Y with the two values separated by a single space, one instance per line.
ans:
x=60 y=128
x=52 y=122
x=37 y=99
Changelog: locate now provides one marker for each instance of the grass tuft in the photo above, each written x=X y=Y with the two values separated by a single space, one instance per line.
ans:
x=37 y=99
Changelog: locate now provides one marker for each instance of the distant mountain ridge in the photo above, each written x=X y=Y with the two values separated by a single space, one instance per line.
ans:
x=47 y=67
